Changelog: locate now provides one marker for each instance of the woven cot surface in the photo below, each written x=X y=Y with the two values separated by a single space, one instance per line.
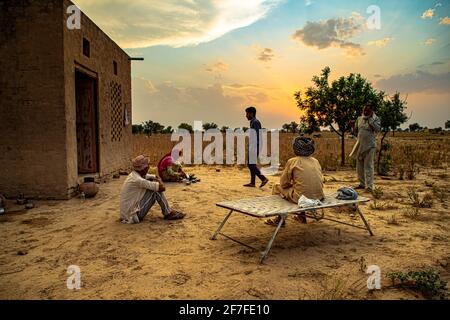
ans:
x=275 y=205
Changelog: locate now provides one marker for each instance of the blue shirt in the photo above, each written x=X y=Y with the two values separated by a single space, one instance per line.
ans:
x=255 y=124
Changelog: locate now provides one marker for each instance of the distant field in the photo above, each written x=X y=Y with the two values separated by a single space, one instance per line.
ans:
x=424 y=149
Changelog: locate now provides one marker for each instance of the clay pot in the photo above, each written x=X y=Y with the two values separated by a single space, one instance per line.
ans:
x=90 y=189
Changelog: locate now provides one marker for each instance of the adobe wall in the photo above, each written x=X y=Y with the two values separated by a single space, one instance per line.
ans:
x=114 y=154
x=32 y=116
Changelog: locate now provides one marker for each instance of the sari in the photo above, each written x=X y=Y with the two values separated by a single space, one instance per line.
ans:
x=168 y=168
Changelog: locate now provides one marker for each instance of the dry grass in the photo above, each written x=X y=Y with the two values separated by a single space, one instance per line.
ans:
x=383 y=205
x=410 y=151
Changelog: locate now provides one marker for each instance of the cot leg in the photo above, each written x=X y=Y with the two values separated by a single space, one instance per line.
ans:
x=364 y=220
x=214 y=237
x=269 y=245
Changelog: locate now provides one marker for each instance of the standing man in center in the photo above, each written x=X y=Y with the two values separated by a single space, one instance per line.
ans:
x=254 y=170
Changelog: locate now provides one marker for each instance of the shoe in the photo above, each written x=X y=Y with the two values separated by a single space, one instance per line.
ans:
x=359 y=187
x=274 y=222
x=250 y=185
x=264 y=183
x=300 y=218
x=175 y=215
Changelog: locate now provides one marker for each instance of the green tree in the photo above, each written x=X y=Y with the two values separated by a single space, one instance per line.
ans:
x=224 y=129
x=436 y=130
x=167 y=130
x=392 y=115
x=306 y=126
x=447 y=124
x=138 y=129
x=151 y=127
x=207 y=126
x=415 y=127
x=290 y=127
x=335 y=105
x=187 y=127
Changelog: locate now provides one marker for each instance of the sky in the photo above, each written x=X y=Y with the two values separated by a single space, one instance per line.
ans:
x=208 y=60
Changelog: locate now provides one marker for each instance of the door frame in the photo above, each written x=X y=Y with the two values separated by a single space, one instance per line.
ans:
x=94 y=76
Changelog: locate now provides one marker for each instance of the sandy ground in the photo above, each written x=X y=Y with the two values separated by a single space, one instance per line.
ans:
x=176 y=260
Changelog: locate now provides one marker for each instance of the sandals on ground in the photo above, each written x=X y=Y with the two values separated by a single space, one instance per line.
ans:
x=175 y=215
x=300 y=218
x=274 y=222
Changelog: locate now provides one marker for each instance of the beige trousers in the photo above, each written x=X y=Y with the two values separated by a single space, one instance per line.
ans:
x=365 y=168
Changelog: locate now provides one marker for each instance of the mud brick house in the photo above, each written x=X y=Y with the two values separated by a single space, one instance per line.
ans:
x=65 y=101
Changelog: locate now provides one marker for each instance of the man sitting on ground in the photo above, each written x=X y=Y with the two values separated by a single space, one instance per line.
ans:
x=140 y=192
x=301 y=176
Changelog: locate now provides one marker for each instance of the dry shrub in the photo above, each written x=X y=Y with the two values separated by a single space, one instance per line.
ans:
x=392 y=220
x=416 y=201
x=379 y=205
x=378 y=192
x=412 y=212
x=440 y=193
x=429 y=184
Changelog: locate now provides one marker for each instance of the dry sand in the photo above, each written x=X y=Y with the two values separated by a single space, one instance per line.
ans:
x=176 y=260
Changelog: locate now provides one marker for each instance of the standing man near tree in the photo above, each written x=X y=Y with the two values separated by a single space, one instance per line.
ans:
x=255 y=125
x=367 y=126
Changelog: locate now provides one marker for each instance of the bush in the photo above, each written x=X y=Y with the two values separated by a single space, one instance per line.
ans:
x=378 y=192
x=385 y=165
x=429 y=283
x=412 y=213
x=417 y=202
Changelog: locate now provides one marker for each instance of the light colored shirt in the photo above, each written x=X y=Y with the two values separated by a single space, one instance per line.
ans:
x=302 y=176
x=132 y=192
x=368 y=128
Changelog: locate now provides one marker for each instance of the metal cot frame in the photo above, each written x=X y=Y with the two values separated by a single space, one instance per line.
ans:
x=265 y=207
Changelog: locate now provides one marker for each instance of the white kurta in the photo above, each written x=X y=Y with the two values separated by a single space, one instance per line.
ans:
x=367 y=135
x=133 y=191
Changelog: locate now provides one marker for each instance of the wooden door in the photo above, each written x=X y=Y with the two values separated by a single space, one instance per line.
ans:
x=87 y=128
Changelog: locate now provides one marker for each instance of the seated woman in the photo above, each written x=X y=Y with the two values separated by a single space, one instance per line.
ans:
x=169 y=169
x=302 y=176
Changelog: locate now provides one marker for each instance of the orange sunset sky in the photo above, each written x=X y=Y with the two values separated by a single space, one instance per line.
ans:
x=208 y=60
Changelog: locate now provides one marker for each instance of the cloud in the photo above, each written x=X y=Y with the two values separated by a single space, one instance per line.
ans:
x=428 y=14
x=433 y=64
x=308 y=3
x=171 y=104
x=429 y=41
x=419 y=81
x=218 y=67
x=266 y=55
x=144 y=23
x=445 y=21
x=380 y=43
x=332 y=33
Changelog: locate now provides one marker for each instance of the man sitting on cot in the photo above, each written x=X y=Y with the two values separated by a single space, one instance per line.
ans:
x=139 y=193
x=301 y=176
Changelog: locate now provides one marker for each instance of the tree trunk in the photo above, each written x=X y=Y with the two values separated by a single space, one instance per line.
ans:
x=380 y=152
x=343 y=149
